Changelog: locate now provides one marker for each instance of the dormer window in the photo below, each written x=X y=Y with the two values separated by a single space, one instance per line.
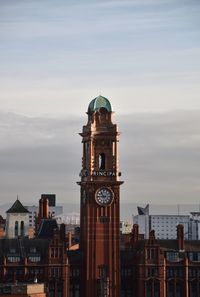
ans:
x=13 y=258
x=194 y=256
x=34 y=258
x=13 y=255
x=33 y=250
x=12 y=250
x=174 y=256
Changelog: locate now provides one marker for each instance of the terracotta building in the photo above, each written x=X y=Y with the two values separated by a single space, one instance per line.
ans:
x=44 y=257
x=104 y=263
x=161 y=268
x=100 y=195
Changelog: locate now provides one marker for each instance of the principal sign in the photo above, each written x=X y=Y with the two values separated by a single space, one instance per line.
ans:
x=103 y=173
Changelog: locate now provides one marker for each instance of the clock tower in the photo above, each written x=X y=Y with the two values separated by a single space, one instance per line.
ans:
x=100 y=197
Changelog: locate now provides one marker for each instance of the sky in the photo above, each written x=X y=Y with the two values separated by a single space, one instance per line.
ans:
x=56 y=56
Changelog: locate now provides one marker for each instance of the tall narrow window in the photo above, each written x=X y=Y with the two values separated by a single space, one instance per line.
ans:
x=22 y=228
x=102 y=161
x=179 y=290
x=16 y=228
x=113 y=148
x=103 y=282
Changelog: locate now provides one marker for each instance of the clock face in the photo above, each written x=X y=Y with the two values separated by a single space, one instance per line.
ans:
x=104 y=196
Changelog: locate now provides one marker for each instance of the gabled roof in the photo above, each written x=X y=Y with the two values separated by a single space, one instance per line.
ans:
x=47 y=228
x=17 y=207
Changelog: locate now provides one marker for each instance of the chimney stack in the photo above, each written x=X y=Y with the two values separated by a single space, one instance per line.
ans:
x=62 y=232
x=152 y=235
x=135 y=233
x=180 y=237
x=45 y=203
x=40 y=213
x=69 y=240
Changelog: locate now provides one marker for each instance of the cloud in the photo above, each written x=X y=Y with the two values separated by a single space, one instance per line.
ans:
x=39 y=155
x=161 y=162
x=100 y=24
x=159 y=157
x=50 y=52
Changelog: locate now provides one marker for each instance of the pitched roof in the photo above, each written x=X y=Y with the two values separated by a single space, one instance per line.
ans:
x=22 y=246
x=172 y=245
x=47 y=227
x=17 y=207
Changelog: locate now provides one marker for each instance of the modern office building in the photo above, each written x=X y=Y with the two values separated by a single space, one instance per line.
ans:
x=194 y=226
x=165 y=225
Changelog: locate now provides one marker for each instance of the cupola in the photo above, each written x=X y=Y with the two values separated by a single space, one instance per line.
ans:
x=98 y=103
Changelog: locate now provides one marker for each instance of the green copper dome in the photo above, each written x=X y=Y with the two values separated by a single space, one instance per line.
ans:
x=99 y=102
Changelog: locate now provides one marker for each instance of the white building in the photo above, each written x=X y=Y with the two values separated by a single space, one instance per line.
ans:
x=72 y=218
x=194 y=226
x=163 y=225
x=53 y=209
x=17 y=220
x=33 y=213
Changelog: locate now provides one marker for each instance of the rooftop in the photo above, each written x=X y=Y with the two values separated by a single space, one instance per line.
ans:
x=47 y=228
x=22 y=289
x=17 y=207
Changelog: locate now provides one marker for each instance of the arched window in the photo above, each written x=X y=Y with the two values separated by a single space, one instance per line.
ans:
x=22 y=228
x=102 y=161
x=152 y=288
x=175 y=288
x=179 y=290
x=193 y=289
x=16 y=228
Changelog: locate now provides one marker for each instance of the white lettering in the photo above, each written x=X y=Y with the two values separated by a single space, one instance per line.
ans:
x=104 y=173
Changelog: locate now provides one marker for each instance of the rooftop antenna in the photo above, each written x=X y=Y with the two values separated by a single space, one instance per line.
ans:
x=178 y=206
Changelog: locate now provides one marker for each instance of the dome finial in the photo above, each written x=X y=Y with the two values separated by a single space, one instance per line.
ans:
x=99 y=102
